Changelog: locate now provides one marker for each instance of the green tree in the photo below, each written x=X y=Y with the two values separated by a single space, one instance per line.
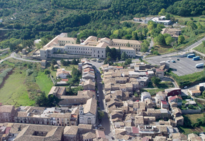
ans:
x=52 y=67
x=78 y=41
x=181 y=39
x=53 y=61
x=63 y=62
x=159 y=39
x=42 y=100
x=155 y=80
x=123 y=56
x=162 y=12
x=168 y=17
x=101 y=114
x=46 y=71
x=203 y=93
x=169 y=40
x=134 y=35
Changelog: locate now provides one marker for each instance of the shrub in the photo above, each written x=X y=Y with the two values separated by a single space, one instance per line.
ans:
x=4 y=74
x=29 y=72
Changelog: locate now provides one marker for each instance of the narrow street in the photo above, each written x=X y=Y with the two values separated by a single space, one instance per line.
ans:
x=105 y=121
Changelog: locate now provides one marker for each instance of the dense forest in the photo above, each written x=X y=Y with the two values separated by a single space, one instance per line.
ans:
x=38 y=18
x=187 y=8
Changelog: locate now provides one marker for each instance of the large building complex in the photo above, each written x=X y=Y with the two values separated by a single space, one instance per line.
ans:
x=62 y=46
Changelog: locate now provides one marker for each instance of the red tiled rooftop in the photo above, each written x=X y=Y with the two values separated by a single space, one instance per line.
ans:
x=100 y=134
x=159 y=70
x=135 y=130
x=145 y=139
x=164 y=102
x=174 y=97
x=7 y=130
x=64 y=80
x=119 y=67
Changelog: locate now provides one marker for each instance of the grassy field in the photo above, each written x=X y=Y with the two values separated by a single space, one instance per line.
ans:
x=200 y=48
x=162 y=85
x=190 y=79
x=193 y=118
x=152 y=91
x=14 y=91
x=196 y=19
x=44 y=82
x=20 y=89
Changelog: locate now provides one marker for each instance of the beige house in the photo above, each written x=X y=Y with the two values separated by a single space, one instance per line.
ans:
x=57 y=91
x=62 y=73
x=30 y=132
x=194 y=92
x=159 y=73
x=88 y=112
x=88 y=85
x=127 y=43
x=70 y=133
x=7 y=113
x=174 y=32
x=46 y=116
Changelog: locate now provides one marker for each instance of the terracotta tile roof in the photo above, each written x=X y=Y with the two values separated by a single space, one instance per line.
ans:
x=100 y=134
x=91 y=106
x=164 y=102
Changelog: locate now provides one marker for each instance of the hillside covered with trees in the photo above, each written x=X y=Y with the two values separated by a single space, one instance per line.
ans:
x=34 y=19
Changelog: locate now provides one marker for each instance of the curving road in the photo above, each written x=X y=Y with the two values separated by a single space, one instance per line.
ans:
x=189 y=48
x=14 y=55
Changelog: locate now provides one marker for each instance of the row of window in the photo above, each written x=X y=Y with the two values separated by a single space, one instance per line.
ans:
x=125 y=45
x=75 y=48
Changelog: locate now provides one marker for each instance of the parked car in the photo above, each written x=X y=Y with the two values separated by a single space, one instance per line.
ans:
x=113 y=138
x=178 y=59
x=173 y=61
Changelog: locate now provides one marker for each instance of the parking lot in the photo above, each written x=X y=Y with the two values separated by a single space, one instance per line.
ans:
x=182 y=67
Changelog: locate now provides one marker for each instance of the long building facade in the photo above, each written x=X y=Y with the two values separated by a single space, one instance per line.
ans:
x=92 y=47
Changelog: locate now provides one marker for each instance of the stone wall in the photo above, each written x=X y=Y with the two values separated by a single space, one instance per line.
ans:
x=191 y=111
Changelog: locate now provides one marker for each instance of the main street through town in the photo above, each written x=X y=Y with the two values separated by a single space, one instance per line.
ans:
x=105 y=121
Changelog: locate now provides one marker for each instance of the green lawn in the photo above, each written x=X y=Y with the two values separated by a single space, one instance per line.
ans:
x=152 y=91
x=44 y=82
x=14 y=91
x=162 y=85
x=200 y=48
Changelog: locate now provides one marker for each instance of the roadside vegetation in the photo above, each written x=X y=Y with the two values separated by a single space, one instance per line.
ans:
x=188 y=80
x=201 y=47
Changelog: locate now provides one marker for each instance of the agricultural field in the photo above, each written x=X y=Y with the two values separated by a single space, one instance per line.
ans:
x=24 y=84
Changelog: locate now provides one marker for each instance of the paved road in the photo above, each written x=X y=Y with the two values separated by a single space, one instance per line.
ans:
x=15 y=56
x=170 y=79
x=4 y=49
x=105 y=121
x=189 y=48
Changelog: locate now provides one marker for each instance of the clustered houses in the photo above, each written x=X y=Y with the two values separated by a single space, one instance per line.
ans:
x=73 y=121
x=62 y=45
x=32 y=132
x=47 y=116
x=127 y=80
x=136 y=117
